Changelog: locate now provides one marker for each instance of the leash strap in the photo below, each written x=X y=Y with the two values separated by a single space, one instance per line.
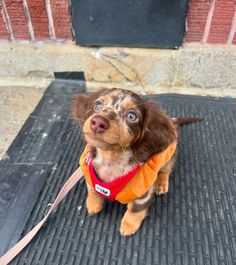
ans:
x=16 y=249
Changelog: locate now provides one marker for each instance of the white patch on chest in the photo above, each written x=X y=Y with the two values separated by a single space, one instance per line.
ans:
x=109 y=166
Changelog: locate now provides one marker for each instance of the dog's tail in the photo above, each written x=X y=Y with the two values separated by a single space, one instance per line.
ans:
x=185 y=120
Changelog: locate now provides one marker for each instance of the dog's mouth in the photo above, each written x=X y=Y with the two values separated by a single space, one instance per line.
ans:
x=100 y=132
x=99 y=141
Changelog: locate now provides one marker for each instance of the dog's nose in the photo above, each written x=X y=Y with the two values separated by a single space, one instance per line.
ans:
x=99 y=124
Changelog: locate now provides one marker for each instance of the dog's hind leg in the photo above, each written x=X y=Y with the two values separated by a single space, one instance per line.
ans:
x=162 y=184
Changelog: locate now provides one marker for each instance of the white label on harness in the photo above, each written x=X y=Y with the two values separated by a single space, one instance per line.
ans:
x=102 y=190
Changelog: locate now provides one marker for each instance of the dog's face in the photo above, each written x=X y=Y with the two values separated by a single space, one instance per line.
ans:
x=117 y=118
x=116 y=121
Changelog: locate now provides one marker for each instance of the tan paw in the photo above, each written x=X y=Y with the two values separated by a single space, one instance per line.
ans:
x=127 y=228
x=162 y=187
x=94 y=206
x=131 y=222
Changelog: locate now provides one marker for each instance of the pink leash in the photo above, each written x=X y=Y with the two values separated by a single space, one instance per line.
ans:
x=15 y=250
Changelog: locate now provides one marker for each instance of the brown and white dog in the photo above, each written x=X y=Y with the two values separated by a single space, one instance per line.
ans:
x=122 y=130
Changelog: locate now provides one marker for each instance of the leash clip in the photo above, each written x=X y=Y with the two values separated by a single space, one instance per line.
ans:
x=49 y=205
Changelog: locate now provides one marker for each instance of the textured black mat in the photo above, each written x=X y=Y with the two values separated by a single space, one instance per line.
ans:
x=32 y=157
x=195 y=223
x=145 y=23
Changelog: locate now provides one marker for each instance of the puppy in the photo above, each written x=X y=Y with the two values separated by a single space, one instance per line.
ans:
x=130 y=154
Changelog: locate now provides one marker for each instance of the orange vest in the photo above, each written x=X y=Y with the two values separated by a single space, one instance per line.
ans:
x=142 y=180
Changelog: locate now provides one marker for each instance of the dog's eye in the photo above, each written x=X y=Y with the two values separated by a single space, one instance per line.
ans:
x=98 y=105
x=131 y=116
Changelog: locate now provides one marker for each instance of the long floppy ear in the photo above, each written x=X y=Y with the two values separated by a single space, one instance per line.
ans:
x=158 y=132
x=82 y=107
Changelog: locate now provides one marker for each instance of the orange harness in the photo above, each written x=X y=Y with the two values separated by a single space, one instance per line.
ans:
x=132 y=185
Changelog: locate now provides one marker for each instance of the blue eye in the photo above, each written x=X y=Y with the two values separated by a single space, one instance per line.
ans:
x=98 y=105
x=131 y=116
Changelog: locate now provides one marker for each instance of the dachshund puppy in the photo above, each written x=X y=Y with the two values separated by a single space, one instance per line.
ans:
x=130 y=152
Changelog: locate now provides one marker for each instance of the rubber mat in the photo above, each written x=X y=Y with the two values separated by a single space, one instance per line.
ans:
x=195 y=223
x=32 y=157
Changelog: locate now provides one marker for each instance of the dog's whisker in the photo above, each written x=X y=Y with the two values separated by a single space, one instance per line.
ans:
x=136 y=160
x=78 y=119
x=67 y=130
x=72 y=129
x=144 y=103
x=122 y=147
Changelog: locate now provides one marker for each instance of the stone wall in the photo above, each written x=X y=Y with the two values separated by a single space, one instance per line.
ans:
x=191 y=66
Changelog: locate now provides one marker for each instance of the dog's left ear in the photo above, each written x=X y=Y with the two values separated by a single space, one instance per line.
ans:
x=82 y=107
x=158 y=131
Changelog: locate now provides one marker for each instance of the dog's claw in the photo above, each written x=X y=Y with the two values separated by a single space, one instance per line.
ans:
x=131 y=222
x=94 y=207
x=128 y=229
x=162 y=187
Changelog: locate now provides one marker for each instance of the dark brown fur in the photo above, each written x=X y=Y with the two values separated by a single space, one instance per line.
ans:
x=152 y=133
x=158 y=132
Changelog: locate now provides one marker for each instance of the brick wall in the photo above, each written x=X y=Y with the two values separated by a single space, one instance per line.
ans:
x=208 y=21
x=212 y=21
x=35 y=20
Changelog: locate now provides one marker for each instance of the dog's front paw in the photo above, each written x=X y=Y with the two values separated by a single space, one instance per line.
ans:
x=94 y=208
x=131 y=222
x=94 y=203
x=162 y=187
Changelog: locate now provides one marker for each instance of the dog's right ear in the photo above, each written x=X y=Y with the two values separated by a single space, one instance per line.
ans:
x=83 y=106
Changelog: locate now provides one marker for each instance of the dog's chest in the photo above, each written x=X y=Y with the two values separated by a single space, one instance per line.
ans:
x=110 y=166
